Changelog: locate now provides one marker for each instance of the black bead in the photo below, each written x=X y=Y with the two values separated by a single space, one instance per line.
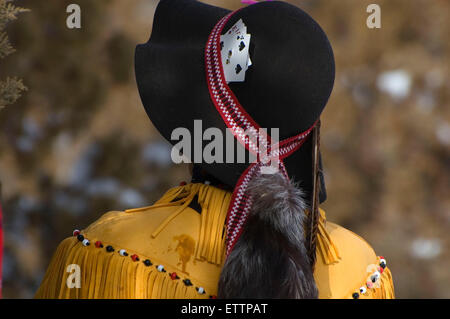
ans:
x=147 y=262
x=187 y=282
x=355 y=295
x=109 y=249
x=80 y=237
x=383 y=265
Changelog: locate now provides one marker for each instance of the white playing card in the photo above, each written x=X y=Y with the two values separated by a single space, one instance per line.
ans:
x=246 y=40
x=238 y=28
x=239 y=58
x=235 y=44
x=226 y=53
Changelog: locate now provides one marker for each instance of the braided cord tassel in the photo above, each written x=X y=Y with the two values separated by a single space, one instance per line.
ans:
x=313 y=219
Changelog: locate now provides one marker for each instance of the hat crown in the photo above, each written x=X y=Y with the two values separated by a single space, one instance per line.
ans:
x=292 y=72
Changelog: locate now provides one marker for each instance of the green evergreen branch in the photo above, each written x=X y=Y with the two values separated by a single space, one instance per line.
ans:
x=10 y=91
x=12 y=88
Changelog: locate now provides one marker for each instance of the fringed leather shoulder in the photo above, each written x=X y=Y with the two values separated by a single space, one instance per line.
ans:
x=169 y=250
x=348 y=267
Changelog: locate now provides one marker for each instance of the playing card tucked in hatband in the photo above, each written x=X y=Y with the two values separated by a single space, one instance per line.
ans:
x=234 y=52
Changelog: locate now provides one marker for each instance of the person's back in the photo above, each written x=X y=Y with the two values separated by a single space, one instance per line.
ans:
x=176 y=249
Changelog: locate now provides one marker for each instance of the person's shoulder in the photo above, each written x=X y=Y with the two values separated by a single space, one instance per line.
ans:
x=146 y=252
x=146 y=230
x=351 y=245
x=356 y=262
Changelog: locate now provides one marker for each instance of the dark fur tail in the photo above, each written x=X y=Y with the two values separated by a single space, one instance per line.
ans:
x=270 y=260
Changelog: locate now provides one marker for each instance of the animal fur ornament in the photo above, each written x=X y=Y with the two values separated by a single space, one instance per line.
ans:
x=270 y=258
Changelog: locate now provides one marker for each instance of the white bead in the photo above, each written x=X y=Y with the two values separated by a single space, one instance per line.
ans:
x=207 y=182
x=86 y=242
x=160 y=268
x=122 y=252
x=200 y=290
x=375 y=276
x=363 y=290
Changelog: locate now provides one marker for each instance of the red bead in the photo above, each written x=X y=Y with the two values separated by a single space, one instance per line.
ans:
x=98 y=244
x=135 y=257
x=76 y=232
x=213 y=297
x=173 y=276
x=380 y=269
x=182 y=183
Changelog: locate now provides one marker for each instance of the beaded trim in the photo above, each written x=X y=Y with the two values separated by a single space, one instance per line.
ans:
x=135 y=258
x=372 y=280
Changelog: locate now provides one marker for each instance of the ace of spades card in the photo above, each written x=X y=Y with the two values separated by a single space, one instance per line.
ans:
x=235 y=52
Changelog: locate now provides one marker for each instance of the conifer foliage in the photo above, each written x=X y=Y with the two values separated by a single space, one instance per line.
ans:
x=12 y=87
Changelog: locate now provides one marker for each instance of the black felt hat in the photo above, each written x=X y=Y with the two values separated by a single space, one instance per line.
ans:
x=286 y=87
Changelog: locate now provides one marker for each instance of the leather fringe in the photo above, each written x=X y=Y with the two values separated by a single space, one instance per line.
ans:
x=326 y=248
x=108 y=276
x=111 y=276
x=214 y=203
x=384 y=291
